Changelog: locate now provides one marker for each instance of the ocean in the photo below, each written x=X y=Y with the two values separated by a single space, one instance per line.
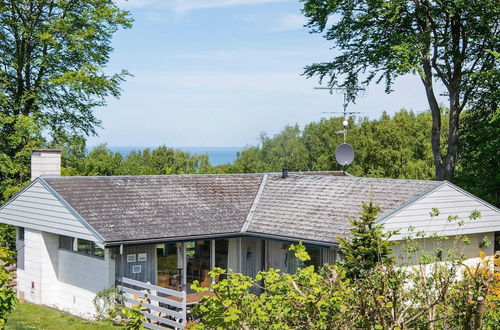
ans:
x=216 y=155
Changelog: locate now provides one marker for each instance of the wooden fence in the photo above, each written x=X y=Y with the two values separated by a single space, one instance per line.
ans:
x=161 y=307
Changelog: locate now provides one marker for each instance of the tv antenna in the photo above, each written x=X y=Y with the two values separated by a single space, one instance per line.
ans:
x=345 y=113
x=344 y=154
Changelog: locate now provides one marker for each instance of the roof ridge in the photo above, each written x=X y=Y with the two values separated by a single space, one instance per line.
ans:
x=297 y=173
x=248 y=220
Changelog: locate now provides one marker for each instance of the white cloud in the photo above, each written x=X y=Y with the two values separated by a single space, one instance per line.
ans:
x=290 y=22
x=180 y=6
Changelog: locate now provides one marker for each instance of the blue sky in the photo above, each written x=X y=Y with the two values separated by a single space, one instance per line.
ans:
x=220 y=72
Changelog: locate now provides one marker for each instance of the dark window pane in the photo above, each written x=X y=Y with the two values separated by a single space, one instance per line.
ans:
x=221 y=252
x=198 y=263
x=21 y=233
x=98 y=252
x=66 y=243
x=315 y=254
x=84 y=246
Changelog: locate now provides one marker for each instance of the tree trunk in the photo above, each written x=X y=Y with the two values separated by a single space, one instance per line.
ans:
x=436 y=119
x=452 y=153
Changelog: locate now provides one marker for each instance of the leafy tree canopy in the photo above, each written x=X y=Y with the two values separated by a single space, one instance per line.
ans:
x=53 y=56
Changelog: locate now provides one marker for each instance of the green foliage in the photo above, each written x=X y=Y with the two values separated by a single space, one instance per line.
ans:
x=18 y=135
x=101 y=161
x=419 y=293
x=8 y=300
x=395 y=146
x=106 y=302
x=451 y=42
x=53 y=59
x=304 y=300
x=479 y=162
x=134 y=318
x=367 y=246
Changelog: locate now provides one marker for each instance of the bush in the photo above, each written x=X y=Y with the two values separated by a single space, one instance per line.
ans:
x=8 y=300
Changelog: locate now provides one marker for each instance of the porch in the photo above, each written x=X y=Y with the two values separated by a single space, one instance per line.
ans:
x=176 y=265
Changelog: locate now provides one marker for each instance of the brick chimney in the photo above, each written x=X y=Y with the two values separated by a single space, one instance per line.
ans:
x=45 y=162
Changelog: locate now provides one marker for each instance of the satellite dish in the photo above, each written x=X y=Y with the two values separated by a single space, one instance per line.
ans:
x=344 y=154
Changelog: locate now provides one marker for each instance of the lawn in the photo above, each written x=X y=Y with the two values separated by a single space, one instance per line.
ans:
x=29 y=316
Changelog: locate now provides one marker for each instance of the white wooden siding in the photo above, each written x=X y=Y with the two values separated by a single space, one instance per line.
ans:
x=471 y=251
x=450 y=201
x=38 y=209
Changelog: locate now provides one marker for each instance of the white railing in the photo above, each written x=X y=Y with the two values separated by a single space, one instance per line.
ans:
x=160 y=306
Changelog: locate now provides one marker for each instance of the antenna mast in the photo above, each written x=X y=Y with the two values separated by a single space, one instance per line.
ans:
x=345 y=113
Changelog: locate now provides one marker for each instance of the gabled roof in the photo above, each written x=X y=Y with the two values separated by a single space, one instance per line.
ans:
x=313 y=207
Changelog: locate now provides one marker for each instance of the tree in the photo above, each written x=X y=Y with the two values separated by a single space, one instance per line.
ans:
x=8 y=300
x=445 y=41
x=367 y=246
x=53 y=54
x=478 y=169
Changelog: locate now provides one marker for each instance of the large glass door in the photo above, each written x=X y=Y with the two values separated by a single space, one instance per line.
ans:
x=169 y=261
x=198 y=263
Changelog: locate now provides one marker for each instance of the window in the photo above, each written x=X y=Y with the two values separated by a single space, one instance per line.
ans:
x=66 y=243
x=221 y=253
x=20 y=248
x=82 y=246
x=198 y=263
x=98 y=252
x=169 y=261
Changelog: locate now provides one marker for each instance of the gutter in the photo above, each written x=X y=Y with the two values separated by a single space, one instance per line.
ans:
x=220 y=236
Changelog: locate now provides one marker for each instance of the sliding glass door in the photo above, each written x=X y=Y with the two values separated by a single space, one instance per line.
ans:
x=169 y=263
x=199 y=256
x=198 y=263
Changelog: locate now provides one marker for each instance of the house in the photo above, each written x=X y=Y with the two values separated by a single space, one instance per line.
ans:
x=77 y=235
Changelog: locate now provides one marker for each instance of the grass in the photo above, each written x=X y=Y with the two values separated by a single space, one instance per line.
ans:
x=29 y=316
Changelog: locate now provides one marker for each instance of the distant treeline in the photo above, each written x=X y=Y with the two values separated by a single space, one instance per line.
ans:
x=395 y=146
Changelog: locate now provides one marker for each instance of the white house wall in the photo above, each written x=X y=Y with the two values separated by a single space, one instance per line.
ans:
x=62 y=279
x=38 y=209
x=450 y=201
x=80 y=278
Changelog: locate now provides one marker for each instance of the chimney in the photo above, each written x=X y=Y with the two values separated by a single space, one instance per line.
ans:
x=45 y=162
x=284 y=173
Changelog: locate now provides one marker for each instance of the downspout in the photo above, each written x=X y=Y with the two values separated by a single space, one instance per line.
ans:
x=122 y=265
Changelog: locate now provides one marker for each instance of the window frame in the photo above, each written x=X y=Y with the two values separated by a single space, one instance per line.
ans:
x=74 y=248
x=20 y=233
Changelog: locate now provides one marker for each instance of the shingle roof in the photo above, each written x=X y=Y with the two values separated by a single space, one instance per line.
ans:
x=317 y=208
x=149 y=207
x=310 y=207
